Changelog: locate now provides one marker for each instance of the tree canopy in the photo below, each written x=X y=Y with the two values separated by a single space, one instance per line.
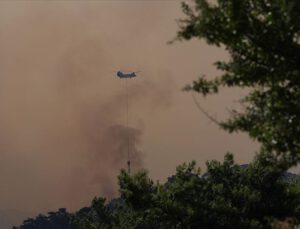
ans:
x=263 y=42
x=226 y=196
x=54 y=220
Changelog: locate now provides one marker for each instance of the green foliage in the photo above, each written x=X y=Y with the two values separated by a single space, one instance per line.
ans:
x=263 y=41
x=97 y=217
x=226 y=195
x=138 y=190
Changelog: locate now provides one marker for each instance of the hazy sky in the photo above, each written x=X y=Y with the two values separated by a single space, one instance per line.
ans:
x=63 y=109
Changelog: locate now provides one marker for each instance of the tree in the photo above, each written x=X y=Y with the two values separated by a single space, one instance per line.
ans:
x=57 y=220
x=263 y=41
x=226 y=195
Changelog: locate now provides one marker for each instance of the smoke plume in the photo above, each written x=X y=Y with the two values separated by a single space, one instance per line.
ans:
x=63 y=136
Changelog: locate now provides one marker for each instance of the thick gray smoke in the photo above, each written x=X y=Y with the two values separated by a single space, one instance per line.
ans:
x=63 y=136
x=113 y=149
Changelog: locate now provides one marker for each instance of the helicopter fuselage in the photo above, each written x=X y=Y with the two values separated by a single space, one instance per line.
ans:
x=126 y=75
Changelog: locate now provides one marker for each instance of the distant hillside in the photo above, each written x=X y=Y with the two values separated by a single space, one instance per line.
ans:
x=53 y=220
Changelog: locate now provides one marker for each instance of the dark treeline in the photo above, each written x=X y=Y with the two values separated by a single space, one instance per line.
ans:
x=228 y=194
x=57 y=220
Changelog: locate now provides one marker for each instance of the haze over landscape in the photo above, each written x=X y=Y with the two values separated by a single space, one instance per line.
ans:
x=63 y=109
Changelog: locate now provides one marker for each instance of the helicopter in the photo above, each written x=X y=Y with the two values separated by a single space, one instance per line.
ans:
x=122 y=75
